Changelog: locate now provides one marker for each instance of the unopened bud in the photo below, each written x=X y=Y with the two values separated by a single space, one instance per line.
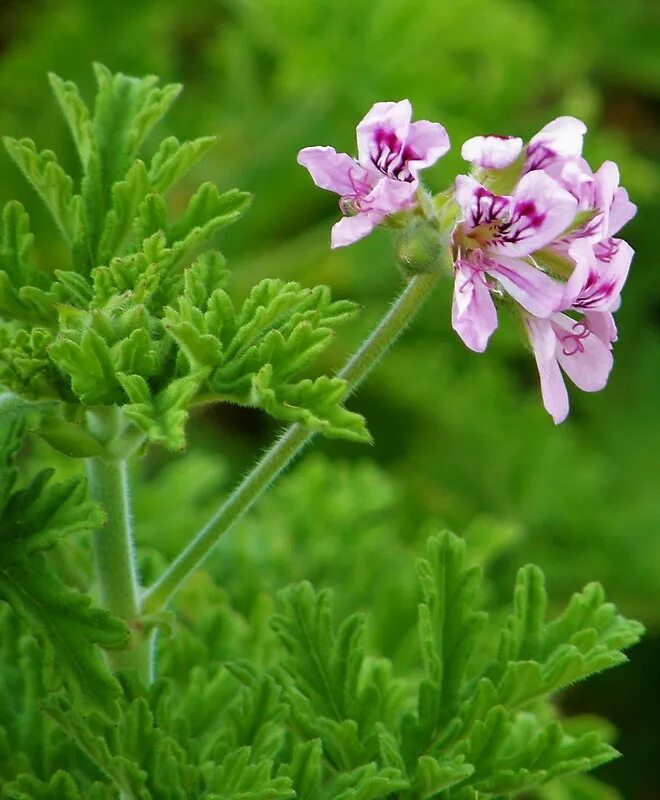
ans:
x=420 y=247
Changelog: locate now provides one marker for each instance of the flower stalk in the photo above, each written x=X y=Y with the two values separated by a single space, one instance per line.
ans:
x=292 y=441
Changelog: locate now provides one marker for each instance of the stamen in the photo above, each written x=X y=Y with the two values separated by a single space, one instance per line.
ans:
x=476 y=265
x=575 y=339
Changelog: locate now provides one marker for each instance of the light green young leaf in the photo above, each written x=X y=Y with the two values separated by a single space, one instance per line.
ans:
x=174 y=159
x=76 y=114
x=125 y=111
x=433 y=776
x=161 y=417
x=27 y=369
x=538 y=657
x=27 y=293
x=88 y=361
x=317 y=404
x=52 y=184
x=207 y=212
x=127 y=195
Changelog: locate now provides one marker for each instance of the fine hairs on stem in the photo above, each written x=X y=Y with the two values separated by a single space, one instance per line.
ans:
x=289 y=444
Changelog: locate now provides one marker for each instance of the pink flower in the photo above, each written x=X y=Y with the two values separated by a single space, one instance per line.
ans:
x=558 y=140
x=383 y=180
x=492 y=243
x=581 y=347
x=556 y=149
x=599 y=195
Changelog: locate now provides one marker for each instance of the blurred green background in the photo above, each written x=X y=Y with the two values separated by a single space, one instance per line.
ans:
x=461 y=440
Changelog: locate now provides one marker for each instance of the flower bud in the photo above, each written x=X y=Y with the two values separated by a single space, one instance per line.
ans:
x=420 y=247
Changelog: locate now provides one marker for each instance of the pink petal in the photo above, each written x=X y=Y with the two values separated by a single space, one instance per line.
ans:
x=337 y=172
x=382 y=118
x=581 y=252
x=553 y=388
x=563 y=135
x=606 y=182
x=350 y=229
x=478 y=204
x=588 y=365
x=599 y=274
x=389 y=196
x=427 y=142
x=621 y=211
x=540 y=211
x=603 y=326
x=492 y=152
x=473 y=314
x=574 y=175
x=536 y=292
x=614 y=268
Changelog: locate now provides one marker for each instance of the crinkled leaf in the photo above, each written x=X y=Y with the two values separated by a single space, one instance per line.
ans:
x=52 y=184
x=163 y=416
x=174 y=159
x=32 y=520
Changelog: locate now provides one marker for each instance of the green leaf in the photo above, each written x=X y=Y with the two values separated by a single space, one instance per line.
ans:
x=238 y=779
x=125 y=111
x=68 y=438
x=432 y=775
x=32 y=520
x=161 y=417
x=448 y=630
x=27 y=369
x=317 y=404
x=538 y=657
x=304 y=770
x=60 y=787
x=52 y=184
x=368 y=783
x=255 y=720
x=76 y=114
x=207 y=212
x=174 y=159
x=333 y=694
x=16 y=244
x=127 y=196
x=90 y=365
x=137 y=755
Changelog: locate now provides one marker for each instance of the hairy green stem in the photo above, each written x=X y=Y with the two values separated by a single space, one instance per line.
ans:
x=113 y=544
x=290 y=443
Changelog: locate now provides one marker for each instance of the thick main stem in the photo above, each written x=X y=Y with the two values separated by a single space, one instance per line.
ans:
x=289 y=444
x=113 y=544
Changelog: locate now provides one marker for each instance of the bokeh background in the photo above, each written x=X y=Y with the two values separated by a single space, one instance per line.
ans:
x=461 y=440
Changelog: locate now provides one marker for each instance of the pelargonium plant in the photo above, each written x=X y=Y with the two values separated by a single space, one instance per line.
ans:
x=102 y=356
x=532 y=230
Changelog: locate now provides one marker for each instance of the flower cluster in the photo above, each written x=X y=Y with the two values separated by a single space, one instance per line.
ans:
x=546 y=249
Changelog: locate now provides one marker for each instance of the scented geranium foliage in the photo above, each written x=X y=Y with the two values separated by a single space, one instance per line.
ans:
x=297 y=707
x=106 y=347
x=138 y=316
